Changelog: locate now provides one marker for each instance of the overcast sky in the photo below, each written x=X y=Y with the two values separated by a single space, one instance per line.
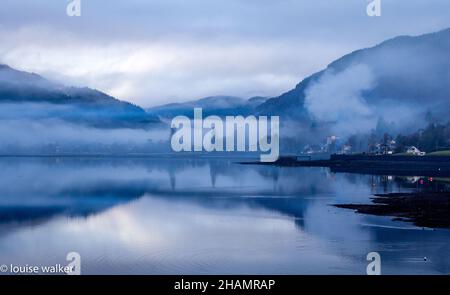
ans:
x=156 y=51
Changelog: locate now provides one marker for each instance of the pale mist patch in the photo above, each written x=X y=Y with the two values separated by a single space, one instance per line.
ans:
x=42 y=132
x=33 y=125
x=337 y=98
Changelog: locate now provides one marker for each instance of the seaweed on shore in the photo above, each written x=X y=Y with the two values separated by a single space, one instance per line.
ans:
x=423 y=209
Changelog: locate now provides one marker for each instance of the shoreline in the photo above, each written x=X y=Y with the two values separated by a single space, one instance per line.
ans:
x=373 y=164
x=423 y=209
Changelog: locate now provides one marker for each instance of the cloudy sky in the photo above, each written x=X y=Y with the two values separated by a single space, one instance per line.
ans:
x=156 y=51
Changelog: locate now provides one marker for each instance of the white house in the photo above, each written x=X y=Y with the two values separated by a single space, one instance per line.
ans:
x=412 y=150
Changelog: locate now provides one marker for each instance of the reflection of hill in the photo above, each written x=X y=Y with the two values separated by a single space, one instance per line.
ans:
x=37 y=191
x=79 y=187
x=76 y=187
x=71 y=203
x=134 y=205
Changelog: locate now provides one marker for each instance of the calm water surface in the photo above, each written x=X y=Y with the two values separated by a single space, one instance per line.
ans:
x=185 y=216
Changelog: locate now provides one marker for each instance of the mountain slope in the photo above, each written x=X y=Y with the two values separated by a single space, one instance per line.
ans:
x=81 y=105
x=214 y=105
x=400 y=80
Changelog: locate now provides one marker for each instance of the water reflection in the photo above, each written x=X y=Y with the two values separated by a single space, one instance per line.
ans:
x=193 y=216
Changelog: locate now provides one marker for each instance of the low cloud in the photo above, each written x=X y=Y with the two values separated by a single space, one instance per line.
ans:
x=29 y=126
x=159 y=51
x=337 y=98
x=150 y=72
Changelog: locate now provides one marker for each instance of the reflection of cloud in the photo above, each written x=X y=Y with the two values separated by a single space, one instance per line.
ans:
x=162 y=236
x=174 y=232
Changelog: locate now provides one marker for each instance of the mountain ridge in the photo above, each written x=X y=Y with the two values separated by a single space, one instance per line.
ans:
x=220 y=105
x=90 y=106
x=292 y=101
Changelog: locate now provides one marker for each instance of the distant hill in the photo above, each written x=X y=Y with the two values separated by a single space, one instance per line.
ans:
x=214 y=105
x=405 y=80
x=78 y=105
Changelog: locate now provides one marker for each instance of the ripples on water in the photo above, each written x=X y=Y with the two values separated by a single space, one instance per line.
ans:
x=185 y=216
